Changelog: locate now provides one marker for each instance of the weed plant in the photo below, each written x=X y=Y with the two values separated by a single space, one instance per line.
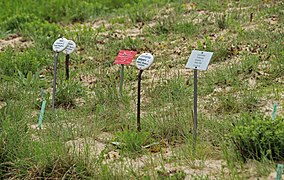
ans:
x=259 y=138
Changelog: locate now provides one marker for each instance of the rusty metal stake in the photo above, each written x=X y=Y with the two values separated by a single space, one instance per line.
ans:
x=67 y=62
x=138 y=101
x=195 y=112
x=54 y=80
x=121 y=78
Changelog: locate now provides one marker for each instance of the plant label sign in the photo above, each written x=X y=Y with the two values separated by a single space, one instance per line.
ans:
x=124 y=57
x=60 y=44
x=199 y=60
x=70 y=47
x=144 y=61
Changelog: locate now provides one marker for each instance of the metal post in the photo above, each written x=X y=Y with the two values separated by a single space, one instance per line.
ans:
x=121 y=77
x=195 y=111
x=67 y=66
x=54 y=80
x=138 y=101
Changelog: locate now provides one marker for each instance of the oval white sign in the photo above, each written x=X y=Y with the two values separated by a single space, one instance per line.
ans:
x=144 y=61
x=70 y=47
x=60 y=44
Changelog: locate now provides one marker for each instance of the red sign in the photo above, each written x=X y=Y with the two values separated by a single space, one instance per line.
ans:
x=125 y=57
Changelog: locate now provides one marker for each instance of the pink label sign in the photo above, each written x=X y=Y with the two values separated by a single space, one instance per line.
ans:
x=124 y=57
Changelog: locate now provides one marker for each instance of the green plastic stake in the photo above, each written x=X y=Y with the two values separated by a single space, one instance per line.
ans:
x=274 y=112
x=41 y=114
x=41 y=94
x=279 y=171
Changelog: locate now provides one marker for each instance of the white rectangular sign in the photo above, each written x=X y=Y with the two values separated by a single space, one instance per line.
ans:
x=199 y=60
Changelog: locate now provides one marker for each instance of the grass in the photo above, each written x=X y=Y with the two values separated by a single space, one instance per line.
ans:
x=245 y=78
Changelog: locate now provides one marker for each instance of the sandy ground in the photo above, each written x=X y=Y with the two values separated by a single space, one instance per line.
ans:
x=14 y=40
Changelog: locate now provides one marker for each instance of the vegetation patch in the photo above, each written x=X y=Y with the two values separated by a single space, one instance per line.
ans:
x=258 y=138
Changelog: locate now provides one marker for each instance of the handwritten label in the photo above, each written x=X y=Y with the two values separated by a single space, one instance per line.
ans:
x=199 y=60
x=60 y=44
x=70 y=47
x=144 y=61
x=124 y=57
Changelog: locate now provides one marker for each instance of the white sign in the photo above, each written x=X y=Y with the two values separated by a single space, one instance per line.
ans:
x=60 y=44
x=144 y=61
x=199 y=60
x=70 y=47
